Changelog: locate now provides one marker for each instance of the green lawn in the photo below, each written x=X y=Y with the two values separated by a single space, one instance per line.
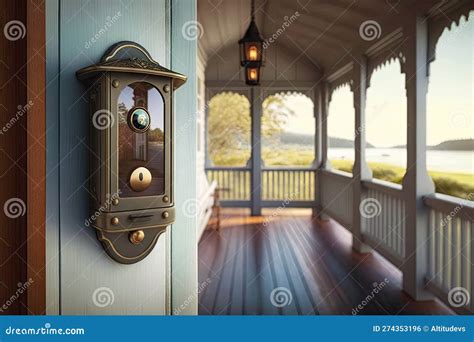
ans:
x=454 y=184
x=449 y=183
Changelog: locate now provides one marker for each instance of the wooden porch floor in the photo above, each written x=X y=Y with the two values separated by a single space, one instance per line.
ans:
x=309 y=263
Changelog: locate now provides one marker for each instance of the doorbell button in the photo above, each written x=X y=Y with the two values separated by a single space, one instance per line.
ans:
x=137 y=236
x=140 y=179
x=139 y=119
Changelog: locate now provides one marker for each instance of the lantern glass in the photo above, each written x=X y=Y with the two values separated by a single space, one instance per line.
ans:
x=252 y=75
x=251 y=53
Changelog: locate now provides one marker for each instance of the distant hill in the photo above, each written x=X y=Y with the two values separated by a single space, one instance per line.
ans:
x=344 y=143
x=454 y=145
x=450 y=145
x=308 y=139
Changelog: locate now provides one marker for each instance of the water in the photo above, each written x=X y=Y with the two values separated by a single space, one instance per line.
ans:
x=448 y=161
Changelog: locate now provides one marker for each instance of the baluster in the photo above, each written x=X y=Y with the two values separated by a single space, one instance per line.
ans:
x=228 y=182
x=239 y=184
x=383 y=215
x=403 y=227
x=277 y=185
x=297 y=184
x=246 y=185
x=294 y=188
x=447 y=254
x=378 y=223
x=439 y=249
x=432 y=242
x=271 y=183
x=466 y=255
x=393 y=223
x=455 y=252
x=242 y=185
x=266 y=189
x=305 y=185
x=225 y=184
x=470 y=254
x=280 y=185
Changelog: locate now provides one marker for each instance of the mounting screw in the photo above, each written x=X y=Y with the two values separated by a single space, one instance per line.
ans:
x=136 y=237
x=115 y=201
x=115 y=221
x=166 y=88
x=115 y=83
x=166 y=198
x=165 y=215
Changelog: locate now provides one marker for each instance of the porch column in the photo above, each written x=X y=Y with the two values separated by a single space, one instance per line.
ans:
x=360 y=170
x=325 y=163
x=322 y=144
x=317 y=149
x=256 y=182
x=416 y=182
x=205 y=109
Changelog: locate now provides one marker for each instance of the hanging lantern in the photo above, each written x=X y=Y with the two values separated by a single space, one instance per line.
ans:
x=251 y=51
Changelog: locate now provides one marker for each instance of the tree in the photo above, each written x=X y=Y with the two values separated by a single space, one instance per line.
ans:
x=229 y=124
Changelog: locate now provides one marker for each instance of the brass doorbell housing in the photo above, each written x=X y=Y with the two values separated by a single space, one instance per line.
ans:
x=131 y=115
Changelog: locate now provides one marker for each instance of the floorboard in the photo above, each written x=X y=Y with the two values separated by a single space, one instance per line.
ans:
x=287 y=263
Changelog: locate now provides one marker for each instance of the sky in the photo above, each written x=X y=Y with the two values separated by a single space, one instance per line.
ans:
x=450 y=96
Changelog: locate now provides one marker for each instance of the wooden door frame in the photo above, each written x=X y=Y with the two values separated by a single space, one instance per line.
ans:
x=23 y=157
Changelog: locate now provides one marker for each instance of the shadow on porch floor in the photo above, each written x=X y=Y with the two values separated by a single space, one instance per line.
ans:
x=309 y=265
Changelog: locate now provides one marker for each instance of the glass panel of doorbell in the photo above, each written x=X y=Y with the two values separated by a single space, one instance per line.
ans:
x=141 y=141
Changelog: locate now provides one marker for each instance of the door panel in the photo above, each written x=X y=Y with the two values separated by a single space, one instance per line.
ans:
x=89 y=281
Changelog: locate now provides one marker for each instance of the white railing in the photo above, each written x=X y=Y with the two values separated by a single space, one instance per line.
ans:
x=451 y=254
x=292 y=187
x=383 y=215
x=337 y=196
x=294 y=184
x=234 y=182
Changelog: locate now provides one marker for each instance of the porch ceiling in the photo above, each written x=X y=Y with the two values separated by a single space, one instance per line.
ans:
x=326 y=32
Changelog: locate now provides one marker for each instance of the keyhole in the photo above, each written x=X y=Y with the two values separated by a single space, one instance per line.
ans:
x=140 y=176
